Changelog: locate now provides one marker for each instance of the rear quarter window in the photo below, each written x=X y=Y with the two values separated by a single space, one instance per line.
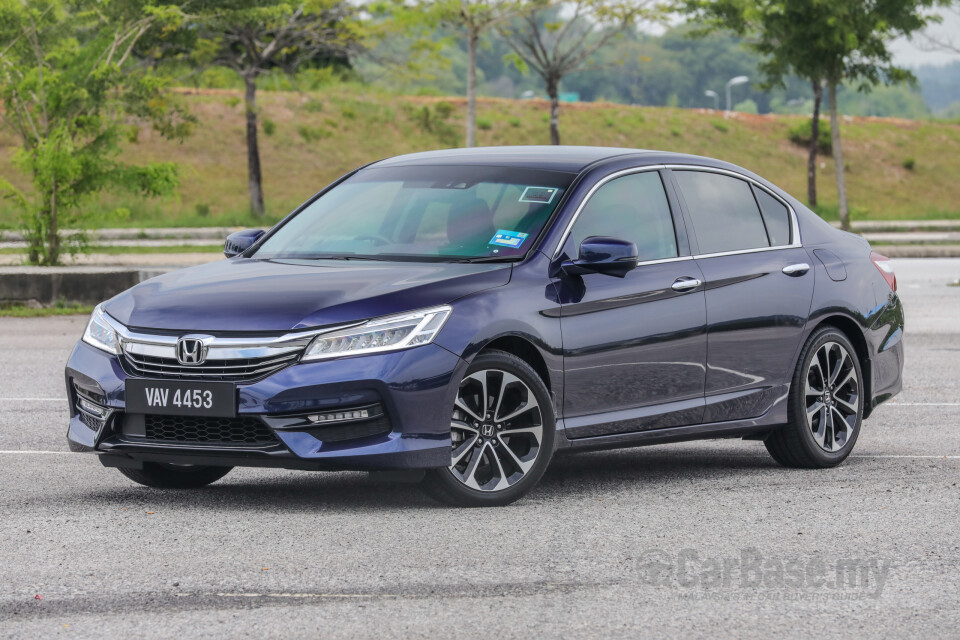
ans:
x=776 y=217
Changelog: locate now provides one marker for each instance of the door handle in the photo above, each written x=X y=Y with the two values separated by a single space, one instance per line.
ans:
x=796 y=269
x=685 y=284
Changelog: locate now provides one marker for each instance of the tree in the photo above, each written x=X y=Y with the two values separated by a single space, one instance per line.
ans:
x=554 y=46
x=942 y=41
x=68 y=94
x=473 y=18
x=828 y=42
x=253 y=37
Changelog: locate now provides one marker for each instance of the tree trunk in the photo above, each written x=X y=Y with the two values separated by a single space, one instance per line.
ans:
x=814 y=144
x=53 y=233
x=472 y=40
x=838 y=160
x=253 y=148
x=553 y=90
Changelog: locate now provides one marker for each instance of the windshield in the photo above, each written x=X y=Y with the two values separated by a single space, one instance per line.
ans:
x=423 y=213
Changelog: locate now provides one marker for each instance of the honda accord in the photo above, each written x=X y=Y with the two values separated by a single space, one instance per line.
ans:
x=460 y=317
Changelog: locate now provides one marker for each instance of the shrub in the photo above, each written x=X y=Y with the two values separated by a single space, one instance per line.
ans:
x=233 y=101
x=675 y=133
x=269 y=127
x=800 y=135
x=910 y=164
x=424 y=118
x=484 y=124
x=443 y=109
x=515 y=122
x=747 y=106
x=720 y=126
x=202 y=209
x=312 y=134
x=312 y=106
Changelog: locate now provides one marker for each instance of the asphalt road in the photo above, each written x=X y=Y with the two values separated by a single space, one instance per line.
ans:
x=700 y=539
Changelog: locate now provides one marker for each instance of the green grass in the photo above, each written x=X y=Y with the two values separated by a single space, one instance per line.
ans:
x=20 y=311
x=123 y=250
x=348 y=125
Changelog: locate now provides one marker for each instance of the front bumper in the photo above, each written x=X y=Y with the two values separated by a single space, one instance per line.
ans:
x=415 y=388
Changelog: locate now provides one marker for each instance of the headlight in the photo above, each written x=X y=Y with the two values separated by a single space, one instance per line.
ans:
x=101 y=334
x=388 y=333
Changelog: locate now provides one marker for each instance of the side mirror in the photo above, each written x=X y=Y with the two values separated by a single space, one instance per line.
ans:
x=599 y=254
x=240 y=241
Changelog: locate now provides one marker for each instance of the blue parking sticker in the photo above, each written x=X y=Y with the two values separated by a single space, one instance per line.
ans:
x=512 y=239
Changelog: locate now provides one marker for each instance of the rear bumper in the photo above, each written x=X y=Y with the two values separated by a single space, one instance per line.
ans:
x=886 y=364
x=415 y=387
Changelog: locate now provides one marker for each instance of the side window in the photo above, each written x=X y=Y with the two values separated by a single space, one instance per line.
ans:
x=725 y=214
x=635 y=208
x=775 y=216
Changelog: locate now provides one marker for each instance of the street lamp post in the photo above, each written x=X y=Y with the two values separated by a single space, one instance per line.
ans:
x=710 y=93
x=732 y=83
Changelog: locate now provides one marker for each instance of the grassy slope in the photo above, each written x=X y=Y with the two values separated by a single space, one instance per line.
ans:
x=348 y=126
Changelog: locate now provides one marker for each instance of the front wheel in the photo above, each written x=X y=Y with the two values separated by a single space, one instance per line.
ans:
x=502 y=433
x=825 y=405
x=174 y=476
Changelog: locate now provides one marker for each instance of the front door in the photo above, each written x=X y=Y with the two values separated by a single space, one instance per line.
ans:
x=634 y=347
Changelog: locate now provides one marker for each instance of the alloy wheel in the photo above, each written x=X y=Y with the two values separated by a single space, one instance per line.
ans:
x=832 y=396
x=496 y=431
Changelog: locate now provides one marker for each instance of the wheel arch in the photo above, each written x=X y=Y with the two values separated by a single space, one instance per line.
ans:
x=523 y=349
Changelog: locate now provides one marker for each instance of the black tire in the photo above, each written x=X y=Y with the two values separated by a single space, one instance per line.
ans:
x=795 y=444
x=446 y=487
x=169 y=476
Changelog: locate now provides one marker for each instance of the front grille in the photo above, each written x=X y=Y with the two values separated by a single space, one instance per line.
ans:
x=226 y=370
x=241 y=430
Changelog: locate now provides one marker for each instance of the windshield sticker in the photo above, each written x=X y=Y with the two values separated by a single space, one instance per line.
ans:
x=512 y=239
x=538 y=195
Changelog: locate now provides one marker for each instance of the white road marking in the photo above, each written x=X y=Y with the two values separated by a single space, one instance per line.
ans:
x=43 y=453
x=279 y=595
x=921 y=404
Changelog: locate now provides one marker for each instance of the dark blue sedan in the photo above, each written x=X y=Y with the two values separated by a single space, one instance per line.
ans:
x=462 y=316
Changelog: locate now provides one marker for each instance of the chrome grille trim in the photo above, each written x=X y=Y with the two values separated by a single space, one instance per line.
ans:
x=229 y=359
x=263 y=355
x=211 y=369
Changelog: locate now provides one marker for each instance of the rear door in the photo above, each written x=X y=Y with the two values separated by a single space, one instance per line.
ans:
x=759 y=287
x=634 y=347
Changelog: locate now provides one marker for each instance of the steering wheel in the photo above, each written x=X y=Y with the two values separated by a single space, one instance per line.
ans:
x=377 y=240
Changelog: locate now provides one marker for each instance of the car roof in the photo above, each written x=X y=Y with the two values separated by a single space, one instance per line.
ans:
x=554 y=158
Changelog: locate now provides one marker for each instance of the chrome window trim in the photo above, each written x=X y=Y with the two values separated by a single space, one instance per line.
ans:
x=641 y=263
x=794 y=223
x=593 y=189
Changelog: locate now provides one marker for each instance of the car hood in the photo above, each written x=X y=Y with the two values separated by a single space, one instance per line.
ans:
x=248 y=295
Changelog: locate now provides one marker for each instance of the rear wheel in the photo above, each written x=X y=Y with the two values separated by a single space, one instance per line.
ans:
x=826 y=405
x=502 y=432
x=174 y=476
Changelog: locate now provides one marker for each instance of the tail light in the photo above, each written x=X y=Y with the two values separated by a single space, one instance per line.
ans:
x=883 y=264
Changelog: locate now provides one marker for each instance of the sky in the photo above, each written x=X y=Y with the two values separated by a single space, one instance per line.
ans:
x=916 y=52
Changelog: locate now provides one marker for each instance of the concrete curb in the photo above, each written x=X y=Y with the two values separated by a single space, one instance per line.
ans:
x=80 y=285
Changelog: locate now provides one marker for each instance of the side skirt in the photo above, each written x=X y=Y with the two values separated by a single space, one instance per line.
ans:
x=751 y=428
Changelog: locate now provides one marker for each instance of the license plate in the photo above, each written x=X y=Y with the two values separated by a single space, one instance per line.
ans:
x=179 y=398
